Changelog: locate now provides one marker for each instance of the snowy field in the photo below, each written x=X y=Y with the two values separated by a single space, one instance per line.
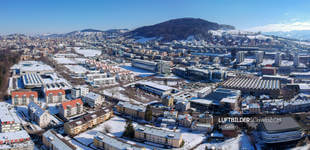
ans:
x=65 y=60
x=239 y=142
x=88 y=52
x=76 y=68
x=115 y=93
x=116 y=123
x=191 y=139
x=138 y=72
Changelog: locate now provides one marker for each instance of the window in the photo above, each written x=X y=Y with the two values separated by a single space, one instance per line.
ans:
x=59 y=97
x=32 y=97
x=16 y=100
x=24 y=100
x=50 y=98
x=78 y=108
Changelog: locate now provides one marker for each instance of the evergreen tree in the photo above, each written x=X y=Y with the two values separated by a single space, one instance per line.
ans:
x=129 y=130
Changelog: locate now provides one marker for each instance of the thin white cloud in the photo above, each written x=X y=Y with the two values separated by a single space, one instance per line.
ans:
x=285 y=27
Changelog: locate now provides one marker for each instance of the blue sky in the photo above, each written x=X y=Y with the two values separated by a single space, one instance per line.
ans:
x=60 y=16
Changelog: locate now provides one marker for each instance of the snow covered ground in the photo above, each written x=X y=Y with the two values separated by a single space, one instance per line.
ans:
x=88 y=52
x=76 y=69
x=239 y=142
x=62 y=60
x=306 y=147
x=116 y=123
x=191 y=139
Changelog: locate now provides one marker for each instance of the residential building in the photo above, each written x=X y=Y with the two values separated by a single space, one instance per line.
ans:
x=93 y=99
x=71 y=108
x=81 y=124
x=8 y=118
x=159 y=136
x=168 y=101
x=24 y=97
x=18 y=140
x=79 y=91
x=182 y=105
x=202 y=127
x=109 y=142
x=278 y=59
x=136 y=111
x=240 y=56
x=55 y=96
x=259 y=57
x=185 y=120
x=37 y=114
x=54 y=141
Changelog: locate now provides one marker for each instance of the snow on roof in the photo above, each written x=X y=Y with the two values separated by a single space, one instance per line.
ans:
x=92 y=95
x=32 y=66
x=76 y=68
x=7 y=113
x=22 y=134
x=158 y=132
x=155 y=85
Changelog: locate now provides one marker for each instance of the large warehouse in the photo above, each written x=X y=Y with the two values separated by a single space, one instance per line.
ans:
x=254 y=86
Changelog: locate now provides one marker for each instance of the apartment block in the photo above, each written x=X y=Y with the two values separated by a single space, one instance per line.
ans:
x=24 y=97
x=81 y=124
x=55 y=96
x=136 y=111
x=71 y=108
x=159 y=136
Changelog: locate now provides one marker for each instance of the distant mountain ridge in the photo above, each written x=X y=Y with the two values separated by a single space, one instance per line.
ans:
x=296 y=34
x=180 y=29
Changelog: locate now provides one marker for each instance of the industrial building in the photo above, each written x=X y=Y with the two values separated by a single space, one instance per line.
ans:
x=284 y=130
x=220 y=97
x=155 y=88
x=161 y=67
x=254 y=86
x=25 y=67
x=201 y=75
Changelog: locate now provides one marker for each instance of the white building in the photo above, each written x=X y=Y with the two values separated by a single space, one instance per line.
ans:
x=37 y=114
x=79 y=91
x=71 y=108
x=55 y=96
x=18 y=140
x=8 y=118
x=240 y=56
x=93 y=99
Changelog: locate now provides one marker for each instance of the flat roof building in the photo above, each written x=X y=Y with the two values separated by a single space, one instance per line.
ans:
x=157 y=135
x=109 y=142
x=52 y=140
x=284 y=130
x=254 y=85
